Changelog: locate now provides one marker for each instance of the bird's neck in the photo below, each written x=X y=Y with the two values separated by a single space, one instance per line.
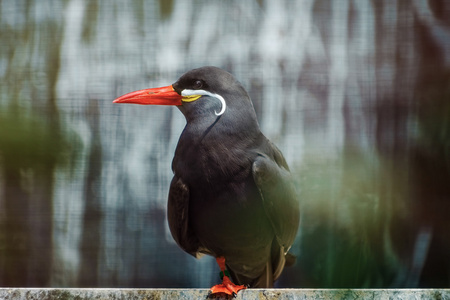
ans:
x=231 y=127
x=221 y=143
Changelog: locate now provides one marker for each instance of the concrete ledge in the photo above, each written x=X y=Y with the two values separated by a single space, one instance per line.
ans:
x=250 y=294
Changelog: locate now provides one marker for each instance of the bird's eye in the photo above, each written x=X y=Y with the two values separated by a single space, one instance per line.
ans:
x=198 y=84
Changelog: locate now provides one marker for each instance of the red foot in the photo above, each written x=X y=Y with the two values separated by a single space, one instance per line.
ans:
x=227 y=287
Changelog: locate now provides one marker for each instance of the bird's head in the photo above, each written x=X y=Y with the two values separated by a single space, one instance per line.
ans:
x=197 y=92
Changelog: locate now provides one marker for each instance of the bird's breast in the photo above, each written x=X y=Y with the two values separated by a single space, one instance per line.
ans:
x=212 y=159
x=225 y=206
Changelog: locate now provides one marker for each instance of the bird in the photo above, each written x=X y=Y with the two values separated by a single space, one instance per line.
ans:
x=232 y=195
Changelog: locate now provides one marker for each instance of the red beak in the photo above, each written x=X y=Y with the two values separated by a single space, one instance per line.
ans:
x=157 y=96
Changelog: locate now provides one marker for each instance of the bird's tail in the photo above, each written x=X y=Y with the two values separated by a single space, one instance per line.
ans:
x=265 y=280
x=272 y=271
x=274 y=267
x=290 y=259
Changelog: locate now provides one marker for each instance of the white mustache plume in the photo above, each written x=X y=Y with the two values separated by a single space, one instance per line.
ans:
x=206 y=93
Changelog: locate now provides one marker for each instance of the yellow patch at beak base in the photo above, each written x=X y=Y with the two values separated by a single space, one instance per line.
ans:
x=190 y=98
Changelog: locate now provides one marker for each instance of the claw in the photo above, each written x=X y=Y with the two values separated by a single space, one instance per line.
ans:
x=226 y=287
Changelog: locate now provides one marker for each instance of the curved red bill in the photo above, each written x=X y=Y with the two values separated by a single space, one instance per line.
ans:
x=156 y=96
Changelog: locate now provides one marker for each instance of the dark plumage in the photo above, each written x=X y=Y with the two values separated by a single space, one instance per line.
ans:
x=232 y=194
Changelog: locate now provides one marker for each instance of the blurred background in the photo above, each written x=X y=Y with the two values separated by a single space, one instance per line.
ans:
x=355 y=93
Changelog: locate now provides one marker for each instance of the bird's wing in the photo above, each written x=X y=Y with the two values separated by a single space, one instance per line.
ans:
x=178 y=216
x=277 y=189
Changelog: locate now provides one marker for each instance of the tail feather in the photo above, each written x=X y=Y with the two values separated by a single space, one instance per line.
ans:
x=273 y=269
x=290 y=259
x=265 y=280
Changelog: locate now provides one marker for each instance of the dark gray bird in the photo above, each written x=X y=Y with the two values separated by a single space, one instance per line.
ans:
x=232 y=195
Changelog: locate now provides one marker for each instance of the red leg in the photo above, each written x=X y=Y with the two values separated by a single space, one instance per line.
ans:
x=226 y=287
